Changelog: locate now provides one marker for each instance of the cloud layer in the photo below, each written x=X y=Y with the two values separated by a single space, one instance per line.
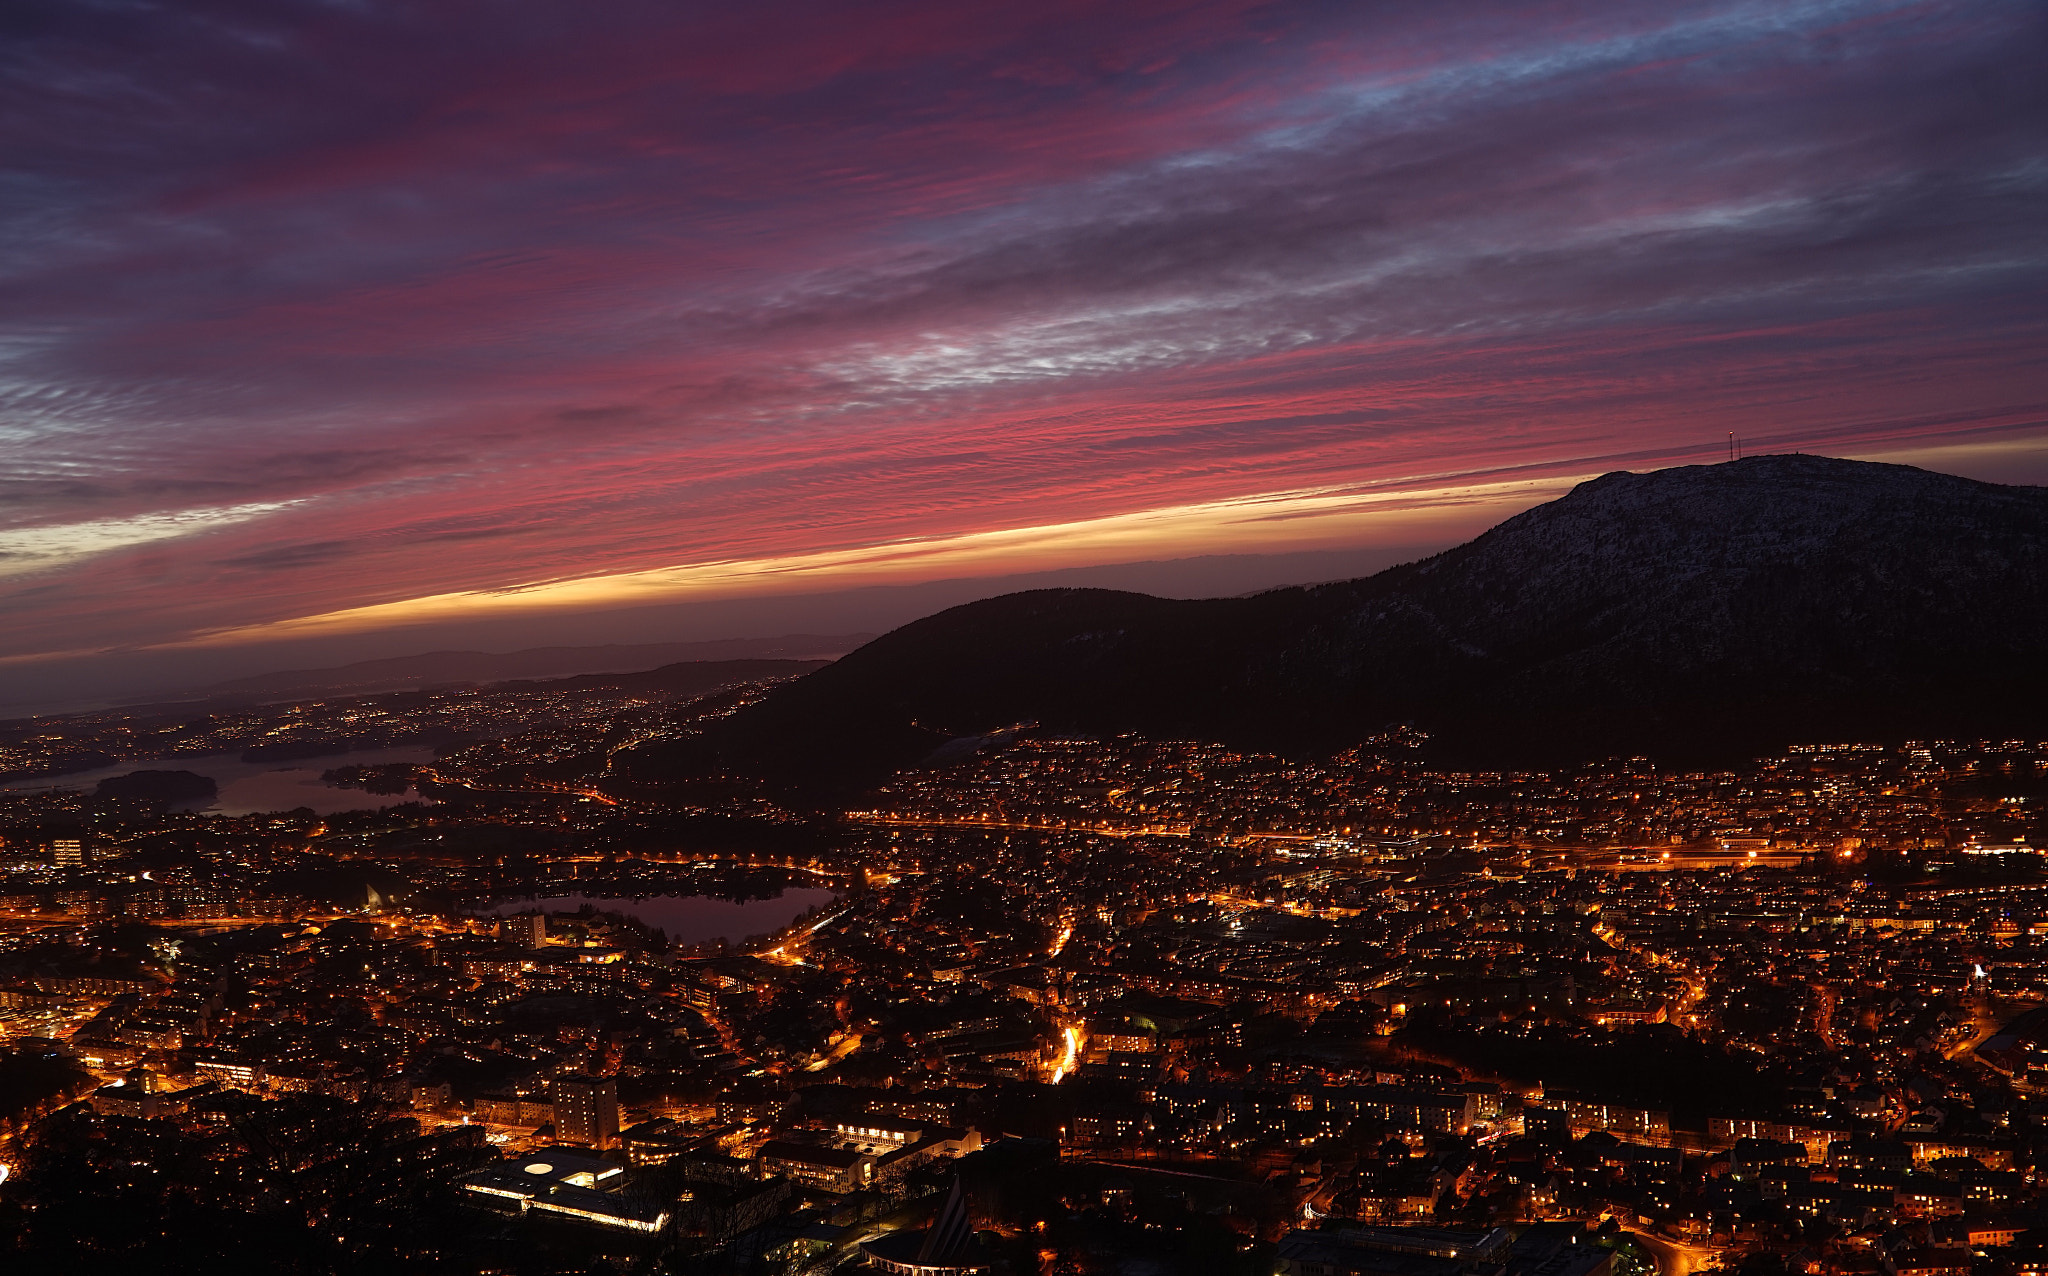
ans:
x=318 y=309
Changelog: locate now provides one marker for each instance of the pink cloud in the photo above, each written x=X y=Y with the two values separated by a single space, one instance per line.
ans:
x=563 y=296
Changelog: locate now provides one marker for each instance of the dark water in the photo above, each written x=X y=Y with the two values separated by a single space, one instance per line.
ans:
x=688 y=919
x=248 y=788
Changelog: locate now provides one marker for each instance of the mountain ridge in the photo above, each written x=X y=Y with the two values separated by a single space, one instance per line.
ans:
x=1694 y=614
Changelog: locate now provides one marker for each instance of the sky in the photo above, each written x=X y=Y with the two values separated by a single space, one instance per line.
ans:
x=346 y=329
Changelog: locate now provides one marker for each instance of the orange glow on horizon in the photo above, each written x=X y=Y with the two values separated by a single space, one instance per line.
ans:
x=1266 y=523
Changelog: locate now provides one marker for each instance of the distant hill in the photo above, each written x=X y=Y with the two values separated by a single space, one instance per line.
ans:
x=685 y=678
x=1697 y=614
x=458 y=668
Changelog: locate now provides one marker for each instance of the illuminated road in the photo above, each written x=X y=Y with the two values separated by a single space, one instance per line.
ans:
x=1098 y=830
x=1674 y=1258
x=1073 y=1053
x=1984 y=1025
x=1059 y=942
x=1824 y=1001
x=532 y=786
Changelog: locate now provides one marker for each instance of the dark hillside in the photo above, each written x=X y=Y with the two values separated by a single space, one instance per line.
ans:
x=1693 y=614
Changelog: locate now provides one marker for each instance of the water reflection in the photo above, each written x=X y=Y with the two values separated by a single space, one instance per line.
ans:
x=251 y=788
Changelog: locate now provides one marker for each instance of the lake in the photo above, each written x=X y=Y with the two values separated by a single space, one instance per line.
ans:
x=251 y=788
x=685 y=919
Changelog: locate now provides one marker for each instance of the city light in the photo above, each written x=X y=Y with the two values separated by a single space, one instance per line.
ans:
x=1071 y=1053
x=1465 y=911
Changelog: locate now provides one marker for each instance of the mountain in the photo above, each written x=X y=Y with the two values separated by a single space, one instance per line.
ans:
x=1696 y=614
x=453 y=668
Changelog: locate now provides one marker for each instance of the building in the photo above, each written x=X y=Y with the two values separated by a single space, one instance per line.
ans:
x=514 y=1109
x=879 y=1134
x=827 y=1169
x=67 y=852
x=586 y=1110
x=529 y=930
x=659 y=1142
x=938 y=1142
x=227 y=1070
x=557 y=1183
x=145 y=1100
x=429 y=1098
x=949 y=1247
x=1649 y=1125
